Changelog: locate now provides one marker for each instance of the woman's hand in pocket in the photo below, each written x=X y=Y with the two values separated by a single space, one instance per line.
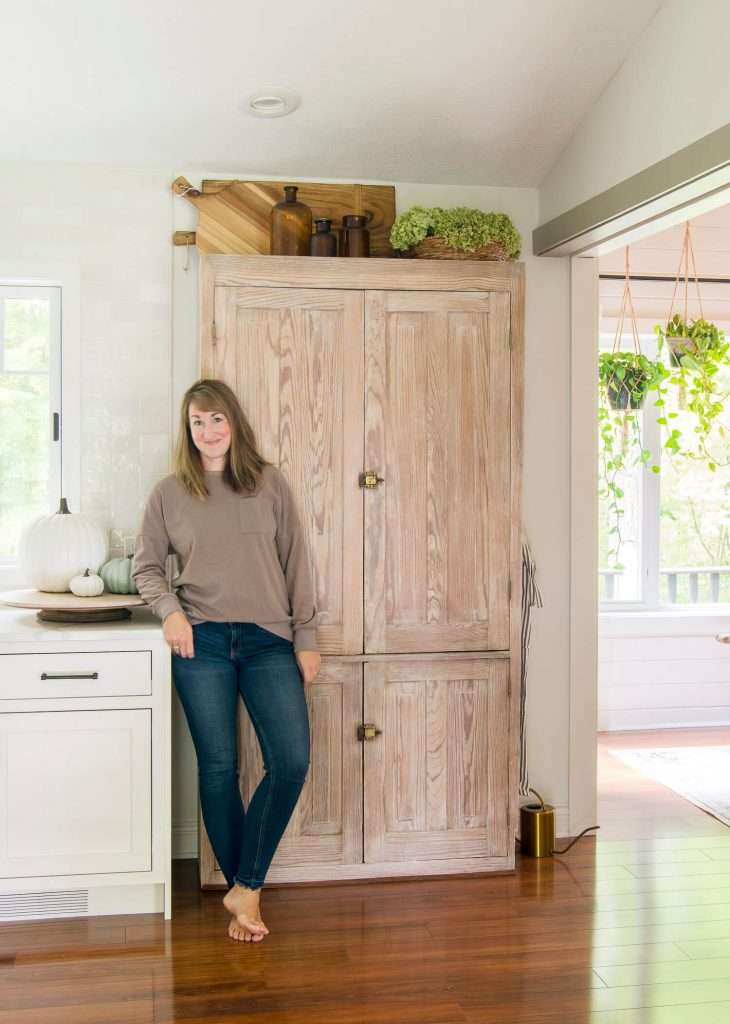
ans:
x=179 y=634
x=309 y=663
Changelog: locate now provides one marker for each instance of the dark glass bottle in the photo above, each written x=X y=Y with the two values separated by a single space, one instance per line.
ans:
x=291 y=225
x=355 y=235
x=323 y=242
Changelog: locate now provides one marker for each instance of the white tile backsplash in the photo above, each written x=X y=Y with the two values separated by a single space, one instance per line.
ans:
x=114 y=225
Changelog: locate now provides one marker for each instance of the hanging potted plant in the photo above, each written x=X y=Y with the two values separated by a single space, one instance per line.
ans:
x=695 y=338
x=627 y=377
x=698 y=382
x=625 y=380
x=698 y=352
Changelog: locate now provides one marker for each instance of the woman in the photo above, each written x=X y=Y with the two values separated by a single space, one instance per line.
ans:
x=242 y=621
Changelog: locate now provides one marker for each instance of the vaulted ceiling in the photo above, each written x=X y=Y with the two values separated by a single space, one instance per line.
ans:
x=466 y=92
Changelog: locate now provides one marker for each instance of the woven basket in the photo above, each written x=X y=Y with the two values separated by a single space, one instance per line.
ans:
x=436 y=248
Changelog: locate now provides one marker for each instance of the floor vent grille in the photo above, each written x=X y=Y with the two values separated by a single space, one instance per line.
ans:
x=27 y=906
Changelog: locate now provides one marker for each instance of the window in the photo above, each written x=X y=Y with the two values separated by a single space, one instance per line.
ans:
x=30 y=408
x=674 y=530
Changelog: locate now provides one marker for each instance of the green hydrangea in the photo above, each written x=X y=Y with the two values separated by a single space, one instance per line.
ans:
x=462 y=227
x=412 y=227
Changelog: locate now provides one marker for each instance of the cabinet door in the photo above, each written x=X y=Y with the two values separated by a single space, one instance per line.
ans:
x=75 y=792
x=437 y=430
x=436 y=778
x=326 y=825
x=294 y=357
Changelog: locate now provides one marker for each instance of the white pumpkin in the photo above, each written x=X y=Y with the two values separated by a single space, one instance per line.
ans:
x=54 y=548
x=88 y=585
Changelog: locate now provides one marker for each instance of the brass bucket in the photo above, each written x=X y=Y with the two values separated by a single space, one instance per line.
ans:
x=537 y=828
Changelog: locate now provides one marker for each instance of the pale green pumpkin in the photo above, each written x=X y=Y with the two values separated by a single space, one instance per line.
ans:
x=117 y=576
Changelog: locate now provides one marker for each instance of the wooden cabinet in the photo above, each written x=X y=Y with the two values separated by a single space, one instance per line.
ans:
x=85 y=795
x=294 y=357
x=435 y=784
x=436 y=426
x=325 y=831
x=389 y=394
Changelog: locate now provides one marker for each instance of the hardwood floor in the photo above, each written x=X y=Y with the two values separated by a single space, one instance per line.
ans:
x=633 y=926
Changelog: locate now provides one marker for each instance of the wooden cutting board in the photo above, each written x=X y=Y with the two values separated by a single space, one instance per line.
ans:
x=234 y=215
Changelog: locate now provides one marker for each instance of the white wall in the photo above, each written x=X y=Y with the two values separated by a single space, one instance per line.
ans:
x=110 y=229
x=671 y=91
x=139 y=353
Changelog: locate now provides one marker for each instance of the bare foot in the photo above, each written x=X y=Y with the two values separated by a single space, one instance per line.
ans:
x=243 y=904
x=240 y=934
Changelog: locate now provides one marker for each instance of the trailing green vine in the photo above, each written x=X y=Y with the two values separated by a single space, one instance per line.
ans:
x=698 y=352
x=625 y=381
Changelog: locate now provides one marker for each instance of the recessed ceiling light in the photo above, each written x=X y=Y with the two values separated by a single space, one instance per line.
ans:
x=271 y=103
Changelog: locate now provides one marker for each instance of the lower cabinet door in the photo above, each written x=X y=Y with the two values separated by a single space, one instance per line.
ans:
x=326 y=825
x=436 y=775
x=75 y=792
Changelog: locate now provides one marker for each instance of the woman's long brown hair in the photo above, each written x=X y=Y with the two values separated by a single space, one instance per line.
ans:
x=243 y=464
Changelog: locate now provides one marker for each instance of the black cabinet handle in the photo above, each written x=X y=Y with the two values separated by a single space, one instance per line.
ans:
x=69 y=675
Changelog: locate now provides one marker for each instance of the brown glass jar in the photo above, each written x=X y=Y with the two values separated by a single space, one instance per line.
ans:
x=291 y=225
x=355 y=235
x=324 y=241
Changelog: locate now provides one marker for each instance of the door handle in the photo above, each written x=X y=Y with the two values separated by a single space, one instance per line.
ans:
x=370 y=479
x=368 y=731
x=69 y=675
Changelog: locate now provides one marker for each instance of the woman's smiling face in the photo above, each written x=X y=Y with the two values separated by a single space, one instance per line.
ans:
x=211 y=434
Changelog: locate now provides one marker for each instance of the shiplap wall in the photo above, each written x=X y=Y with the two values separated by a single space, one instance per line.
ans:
x=663 y=676
x=664 y=671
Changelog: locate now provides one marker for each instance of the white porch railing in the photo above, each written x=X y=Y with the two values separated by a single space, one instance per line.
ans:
x=609 y=578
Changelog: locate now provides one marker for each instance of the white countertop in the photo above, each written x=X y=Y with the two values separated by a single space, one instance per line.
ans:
x=20 y=625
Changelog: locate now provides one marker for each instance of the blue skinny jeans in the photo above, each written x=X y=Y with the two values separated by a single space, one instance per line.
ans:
x=232 y=658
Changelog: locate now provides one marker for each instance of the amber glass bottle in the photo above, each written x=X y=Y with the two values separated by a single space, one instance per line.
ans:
x=291 y=225
x=355 y=235
x=323 y=241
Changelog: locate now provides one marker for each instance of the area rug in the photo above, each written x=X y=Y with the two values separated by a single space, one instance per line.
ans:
x=701 y=774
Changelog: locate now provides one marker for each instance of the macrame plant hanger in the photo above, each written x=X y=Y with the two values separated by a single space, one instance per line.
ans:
x=680 y=345
x=684 y=261
x=627 y=308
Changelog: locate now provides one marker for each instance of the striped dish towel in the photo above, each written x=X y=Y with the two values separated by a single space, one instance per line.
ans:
x=531 y=598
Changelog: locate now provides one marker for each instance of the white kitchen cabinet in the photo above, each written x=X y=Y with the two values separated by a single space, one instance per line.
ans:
x=85 y=795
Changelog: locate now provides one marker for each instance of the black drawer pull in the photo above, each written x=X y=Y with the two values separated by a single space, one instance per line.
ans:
x=69 y=675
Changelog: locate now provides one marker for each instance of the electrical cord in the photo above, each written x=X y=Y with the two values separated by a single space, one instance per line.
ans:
x=589 y=829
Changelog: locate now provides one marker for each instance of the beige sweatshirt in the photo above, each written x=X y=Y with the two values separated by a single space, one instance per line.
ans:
x=242 y=558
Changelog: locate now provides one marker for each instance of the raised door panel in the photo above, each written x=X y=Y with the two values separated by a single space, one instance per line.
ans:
x=437 y=430
x=326 y=825
x=75 y=792
x=436 y=777
x=294 y=357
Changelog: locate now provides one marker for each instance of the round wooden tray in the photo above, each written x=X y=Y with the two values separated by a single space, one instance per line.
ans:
x=70 y=608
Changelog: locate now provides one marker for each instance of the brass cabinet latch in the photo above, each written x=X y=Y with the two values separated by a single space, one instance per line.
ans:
x=370 y=479
x=367 y=731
